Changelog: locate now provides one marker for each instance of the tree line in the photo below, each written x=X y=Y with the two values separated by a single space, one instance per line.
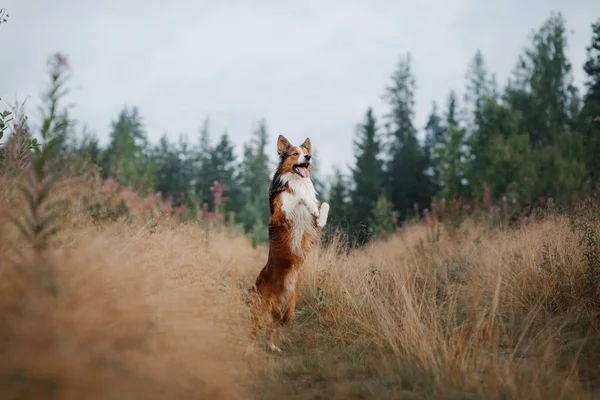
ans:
x=537 y=137
x=534 y=137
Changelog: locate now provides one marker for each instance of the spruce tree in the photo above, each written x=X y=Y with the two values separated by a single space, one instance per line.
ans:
x=338 y=201
x=406 y=171
x=222 y=167
x=255 y=177
x=452 y=155
x=202 y=179
x=542 y=85
x=435 y=140
x=126 y=156
x=368 y=170
x=168 y=179
x=589 y=121
x=478 y=88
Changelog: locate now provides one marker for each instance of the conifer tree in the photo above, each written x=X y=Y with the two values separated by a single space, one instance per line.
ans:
x=542 y=85
x=452 y=155
x=170 y=180
x=126 y=155
x=589 y=121
x=255 y=177
x=368 y=170
x=222 y=167
x=478 y=88
x=406 y=178
x=339 y=201
x=202 y=180
x=435 y=140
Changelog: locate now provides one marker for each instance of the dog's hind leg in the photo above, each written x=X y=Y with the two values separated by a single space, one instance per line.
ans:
x=288 y=314
x=257 y=310
x=270 y=334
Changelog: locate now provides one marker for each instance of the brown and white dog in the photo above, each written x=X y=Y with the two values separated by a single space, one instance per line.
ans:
x=294 y=227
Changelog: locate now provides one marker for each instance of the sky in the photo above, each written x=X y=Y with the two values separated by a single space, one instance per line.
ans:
x=310 y=68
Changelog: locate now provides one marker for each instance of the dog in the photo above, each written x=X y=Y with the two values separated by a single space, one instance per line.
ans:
x=295 y=226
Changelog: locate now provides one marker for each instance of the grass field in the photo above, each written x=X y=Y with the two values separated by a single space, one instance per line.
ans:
x=149 y=309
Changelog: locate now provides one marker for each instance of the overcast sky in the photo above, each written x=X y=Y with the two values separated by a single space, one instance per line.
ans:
x=311 y=68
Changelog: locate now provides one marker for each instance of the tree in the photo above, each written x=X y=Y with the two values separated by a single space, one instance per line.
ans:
x=368 y=170
x=478 y=88
x=452 y=154
x=406 y=178
x=222 y=167
x=503 y=158
x=126 y=156
x=383 y=223
x=255 y=177
x=561 y=168
x=591 y=110
x=435 y=140
x=88 y=146
x=452 y=111
x=338 y=201
x=542 y=86
x=174 y=168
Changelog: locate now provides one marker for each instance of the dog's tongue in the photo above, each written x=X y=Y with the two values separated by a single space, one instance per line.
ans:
x=304 y=172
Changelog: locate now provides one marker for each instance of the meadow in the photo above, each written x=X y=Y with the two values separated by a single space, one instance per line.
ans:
x=101 y=303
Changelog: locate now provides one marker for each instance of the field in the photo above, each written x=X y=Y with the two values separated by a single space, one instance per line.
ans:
x=147 y=308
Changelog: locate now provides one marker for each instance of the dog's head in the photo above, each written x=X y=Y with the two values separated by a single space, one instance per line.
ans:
x=294 y=160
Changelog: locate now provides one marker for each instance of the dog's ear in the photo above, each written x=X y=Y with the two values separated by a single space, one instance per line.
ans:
x=307 y=145
x=282 y=144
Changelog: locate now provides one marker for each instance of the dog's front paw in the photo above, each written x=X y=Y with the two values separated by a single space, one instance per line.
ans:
x=314 y=210
x=324 y=212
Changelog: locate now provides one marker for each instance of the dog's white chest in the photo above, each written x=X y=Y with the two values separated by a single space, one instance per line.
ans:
x=299 y=207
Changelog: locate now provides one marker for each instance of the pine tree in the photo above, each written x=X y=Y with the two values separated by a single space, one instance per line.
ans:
x=202 y=180
x=452 y=111
x=406 y=178
x=589 y=121
x=562 y=170
x=368 y=170
x=542 y=86
x=126 y=155
x=174 y=168
x=512 y=169
x=338 y=201
x=383 y=223
x=504 y=160
x=435 y=140
x=255 y=178
x=223 y=169
x=451 y=155
x=88 y=146
x=204 y=146
x=478 y=88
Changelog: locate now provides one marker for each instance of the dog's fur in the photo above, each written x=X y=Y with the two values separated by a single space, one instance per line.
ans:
x=294 y=227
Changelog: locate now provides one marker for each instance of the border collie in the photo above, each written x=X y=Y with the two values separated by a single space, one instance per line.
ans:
x=294 y=227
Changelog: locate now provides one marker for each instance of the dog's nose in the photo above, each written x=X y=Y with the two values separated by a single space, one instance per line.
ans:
x=307 y=157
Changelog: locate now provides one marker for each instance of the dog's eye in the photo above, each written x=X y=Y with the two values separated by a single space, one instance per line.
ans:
x=295 y=154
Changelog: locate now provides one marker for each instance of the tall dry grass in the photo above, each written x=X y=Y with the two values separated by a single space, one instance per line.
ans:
x=133 y=308
x=503 y=314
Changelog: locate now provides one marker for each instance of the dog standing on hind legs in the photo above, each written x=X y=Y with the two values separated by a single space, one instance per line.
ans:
x=294 y=227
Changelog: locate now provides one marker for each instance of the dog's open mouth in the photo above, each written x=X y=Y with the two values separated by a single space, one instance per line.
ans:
x=302 y=170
